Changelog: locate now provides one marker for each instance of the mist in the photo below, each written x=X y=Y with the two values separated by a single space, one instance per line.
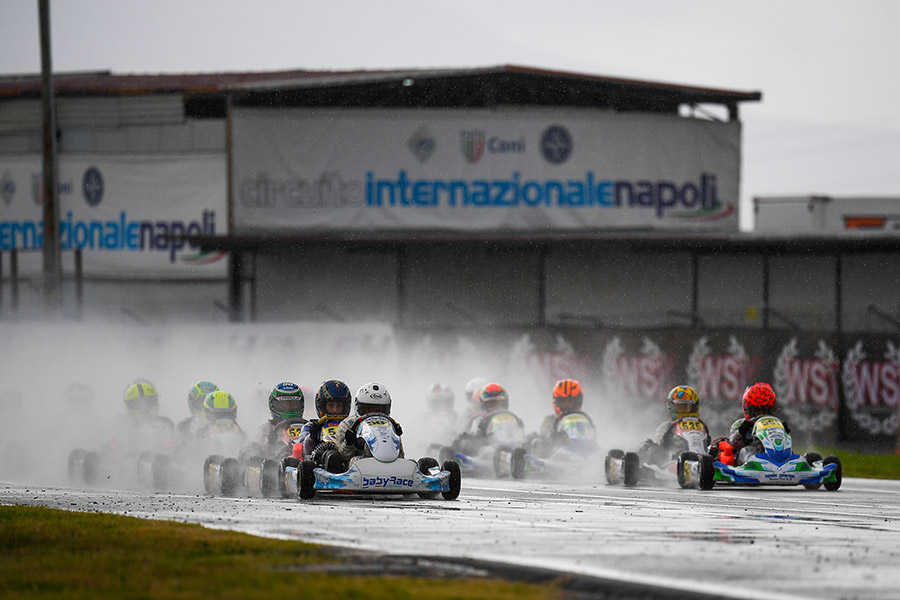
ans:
x=41 y=422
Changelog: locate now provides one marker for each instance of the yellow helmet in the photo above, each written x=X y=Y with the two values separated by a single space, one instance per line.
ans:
x=219 y=406
x=141 y=401
x=683 y=401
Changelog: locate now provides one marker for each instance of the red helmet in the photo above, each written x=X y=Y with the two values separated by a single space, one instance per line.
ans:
x=758 y=400
x=567 y=397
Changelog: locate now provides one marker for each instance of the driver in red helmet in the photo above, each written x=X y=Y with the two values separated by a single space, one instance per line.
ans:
x=758 y=401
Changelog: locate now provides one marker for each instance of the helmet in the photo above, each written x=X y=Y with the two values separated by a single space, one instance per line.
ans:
x=198 y=394
x=439 y=398
x=333 y=390
x=219 y=406
x=286 y=401
x=567 y=397
x=373 y=397
x=758 y=400
x=493 y=397
x=141 y=401
x=683 y=401
x=474 y=386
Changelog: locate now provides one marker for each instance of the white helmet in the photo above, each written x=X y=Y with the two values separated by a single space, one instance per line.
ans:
x=372 y=397
x=474 y=385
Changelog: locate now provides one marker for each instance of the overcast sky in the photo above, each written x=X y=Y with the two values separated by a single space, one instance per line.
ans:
x=829 y=71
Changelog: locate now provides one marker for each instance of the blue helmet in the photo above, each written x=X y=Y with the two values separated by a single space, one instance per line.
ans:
x=333 y=390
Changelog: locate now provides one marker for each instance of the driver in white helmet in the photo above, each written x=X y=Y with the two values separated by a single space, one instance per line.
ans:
x=372 y=398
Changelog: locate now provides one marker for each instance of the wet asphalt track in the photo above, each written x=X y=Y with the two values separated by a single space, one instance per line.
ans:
x=742 y=543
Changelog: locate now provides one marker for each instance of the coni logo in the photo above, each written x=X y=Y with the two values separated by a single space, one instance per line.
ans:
x=92 y=186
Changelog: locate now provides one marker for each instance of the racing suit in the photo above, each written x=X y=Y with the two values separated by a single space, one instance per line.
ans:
x=661 y=448
x=347 y=441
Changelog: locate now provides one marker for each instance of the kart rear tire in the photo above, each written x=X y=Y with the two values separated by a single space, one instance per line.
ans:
x=833 y=486
x=91 y=468
x=306 y=482
x=631 y=467
x=231 y=477
x=812 y=457
x=268 y=478
x=517 y=463
x=679 y=466
x=76 y=466
x=607 y=464
x=212 y=459
x=501 y=455
x=707 y=472
x=455 y=480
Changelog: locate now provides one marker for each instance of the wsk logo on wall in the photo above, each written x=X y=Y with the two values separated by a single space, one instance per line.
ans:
x=646 y=376
x=720 y=379
x=872 y=389
x=807 y=388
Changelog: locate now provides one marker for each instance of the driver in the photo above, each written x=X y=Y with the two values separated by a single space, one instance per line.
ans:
x=196 y=395
x=758 y=401
x=285 y=402
x=372 y=398
x=492 y=399
x=567 y=399
x=681 y=402
x=333 y=399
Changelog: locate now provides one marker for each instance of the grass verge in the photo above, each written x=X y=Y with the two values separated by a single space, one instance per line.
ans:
x=50 y=553
x=873 y=466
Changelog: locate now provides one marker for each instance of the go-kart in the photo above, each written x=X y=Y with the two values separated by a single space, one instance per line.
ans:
x=569 y=452
x=260 y=467
x=652 y=463
x=223 y=440
x=381 y=471
x=287 y=477
x=127 y=465
x=500 y=452
x=774 y=463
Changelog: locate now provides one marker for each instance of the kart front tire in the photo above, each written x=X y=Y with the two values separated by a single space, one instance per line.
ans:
x=679 y=467
x=812 y=457
x=212 y=461
x=707 y=472
x=91 y=468
x=613 y=454
x=833 y=486
x=517 y=463
x=455 y=480
x=268 y=478
x=306 y=482
x=631 y=465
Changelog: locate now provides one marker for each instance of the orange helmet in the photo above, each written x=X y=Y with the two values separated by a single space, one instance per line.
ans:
x=758 y=400
x=567 y=396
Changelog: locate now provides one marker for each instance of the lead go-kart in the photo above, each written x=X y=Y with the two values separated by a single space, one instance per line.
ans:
x=382 y=471
x=629 y=468
x=774 y=463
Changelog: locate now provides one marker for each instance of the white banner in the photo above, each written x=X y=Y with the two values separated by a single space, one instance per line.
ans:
x=476 y=170
x=120 y=211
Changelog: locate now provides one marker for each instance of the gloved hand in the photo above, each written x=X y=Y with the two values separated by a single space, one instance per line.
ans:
x=397 y=429
x=360 y=443
x=745 y=427
x=315 y=428
x=350 y=436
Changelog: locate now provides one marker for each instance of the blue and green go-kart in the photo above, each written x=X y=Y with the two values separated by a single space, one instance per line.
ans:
x=381 y=471
x=775 y=464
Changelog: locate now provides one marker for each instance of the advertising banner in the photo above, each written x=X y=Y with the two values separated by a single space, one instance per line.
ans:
x=481 y=170
x=120 y=211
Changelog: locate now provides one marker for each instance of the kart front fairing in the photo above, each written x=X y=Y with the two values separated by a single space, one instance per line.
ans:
x=370 y=475
x=579 y=451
